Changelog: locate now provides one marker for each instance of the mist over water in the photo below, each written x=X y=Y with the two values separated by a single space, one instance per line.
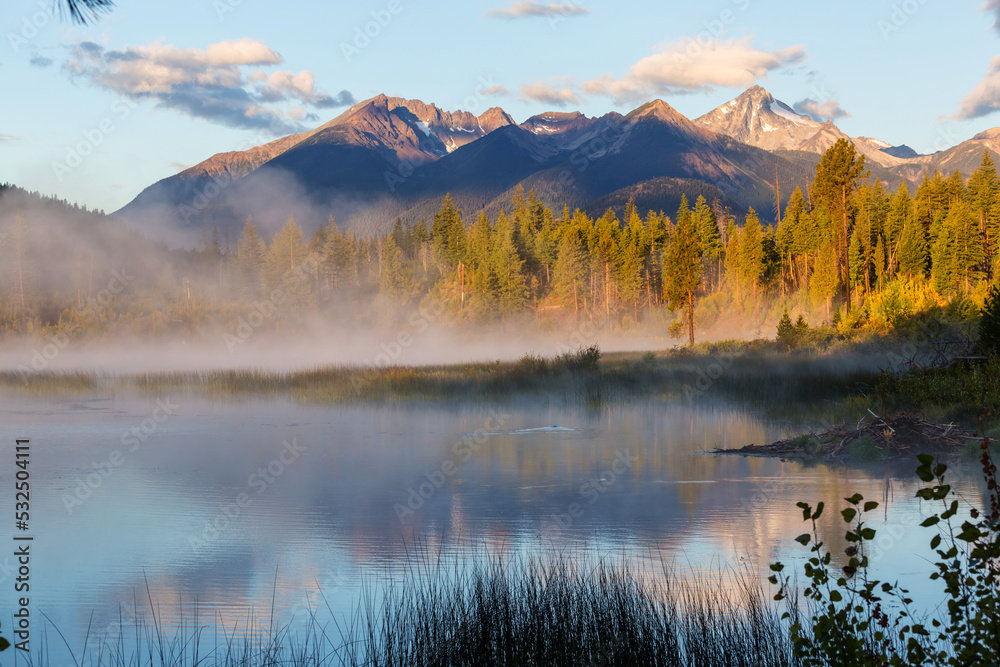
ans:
x=304 y=350
x=228 y=503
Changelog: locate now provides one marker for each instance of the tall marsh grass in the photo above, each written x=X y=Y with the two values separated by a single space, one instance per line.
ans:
x=492 y=612
x=567 y=614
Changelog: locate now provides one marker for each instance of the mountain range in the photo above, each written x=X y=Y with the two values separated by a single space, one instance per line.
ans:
x=387 y=158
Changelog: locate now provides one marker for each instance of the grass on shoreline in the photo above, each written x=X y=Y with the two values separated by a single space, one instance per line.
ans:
x=736 y=371
x=495 y=611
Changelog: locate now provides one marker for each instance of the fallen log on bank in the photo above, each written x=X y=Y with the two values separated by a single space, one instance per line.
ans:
x=872 y=437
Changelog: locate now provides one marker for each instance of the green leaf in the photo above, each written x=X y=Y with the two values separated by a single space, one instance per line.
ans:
x=848 y=514
x=777 y=567
x=835 y=596
x=929 y=521
x=969 y=533
x=803 y=539
x=868 y=533
x=935 y=541
x=870 y=505
x=819 y=510
x=855 y=499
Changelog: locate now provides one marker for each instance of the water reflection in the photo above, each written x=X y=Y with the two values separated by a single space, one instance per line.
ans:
x=242 y=506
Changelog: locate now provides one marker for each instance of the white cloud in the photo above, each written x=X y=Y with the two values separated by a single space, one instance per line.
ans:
x=821 y=111
x=985 y=97
x=519 y=10
x=547 y=93
x=694 y=64
x=208 y=83
x=993 y=6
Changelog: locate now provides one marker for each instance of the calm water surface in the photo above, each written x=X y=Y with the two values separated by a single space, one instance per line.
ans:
x=238 y=505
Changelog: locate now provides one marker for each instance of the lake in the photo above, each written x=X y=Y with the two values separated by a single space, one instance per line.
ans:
x=246 y=511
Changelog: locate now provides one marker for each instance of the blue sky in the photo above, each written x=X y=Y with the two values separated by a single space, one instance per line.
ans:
x=153 y=87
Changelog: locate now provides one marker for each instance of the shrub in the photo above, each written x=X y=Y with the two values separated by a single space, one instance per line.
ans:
x=532 y=364
x=864 y=448
x=786 y=332
x=857 y=620
x=584 y=359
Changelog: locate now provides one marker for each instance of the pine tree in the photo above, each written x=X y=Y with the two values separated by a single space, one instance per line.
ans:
x=214 y=250
x=570 y=271
x=786 y=331
x=900 y=214
x=20 y=269
x=546 y=245
x=837 y=176
x=794 y=239
x=478 y=242
x=983 y=189
x=989 y=323
x=284 y=267
x=394 y=280
x=708 y=232
x=930 y=203
x=250 y=252
x=339 y=260
x=403 y=239
x=682 y=269
x=967 y=255
x=750 y=260
x=823 y=284
x=732 y=258
x=632 y=249
x=603 y=244
x=448 y=236
x=512 y=289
